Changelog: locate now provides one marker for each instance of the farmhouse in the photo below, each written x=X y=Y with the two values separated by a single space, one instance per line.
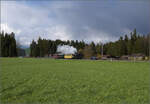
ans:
x=125 y=57
x=138 y=56
x=105 y=57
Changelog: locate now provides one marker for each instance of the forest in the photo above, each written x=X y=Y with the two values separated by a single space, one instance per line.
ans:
x=9 y=46
x=132 y=43
x=129 y=44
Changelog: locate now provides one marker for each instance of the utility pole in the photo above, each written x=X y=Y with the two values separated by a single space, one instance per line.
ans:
x=102 y=50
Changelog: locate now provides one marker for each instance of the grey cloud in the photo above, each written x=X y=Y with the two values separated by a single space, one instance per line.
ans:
x=97 y=21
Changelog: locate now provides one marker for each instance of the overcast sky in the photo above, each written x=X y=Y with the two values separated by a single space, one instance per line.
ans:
x=89 y=20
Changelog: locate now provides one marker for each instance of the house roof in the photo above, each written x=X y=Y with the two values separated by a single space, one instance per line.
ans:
x=138 y=55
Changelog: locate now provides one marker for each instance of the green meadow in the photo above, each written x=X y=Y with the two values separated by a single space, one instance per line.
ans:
x=54 y=81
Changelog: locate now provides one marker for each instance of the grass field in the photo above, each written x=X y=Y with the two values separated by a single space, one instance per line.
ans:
x=29 y=80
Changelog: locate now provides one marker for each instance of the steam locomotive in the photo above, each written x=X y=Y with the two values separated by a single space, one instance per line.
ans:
x=68 y=56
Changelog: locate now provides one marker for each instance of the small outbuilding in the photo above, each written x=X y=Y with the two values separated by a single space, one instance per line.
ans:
x=125 y=57
x=105 y=57
x=138 y=57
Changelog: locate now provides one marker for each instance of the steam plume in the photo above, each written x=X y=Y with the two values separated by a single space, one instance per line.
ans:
x=66 y=49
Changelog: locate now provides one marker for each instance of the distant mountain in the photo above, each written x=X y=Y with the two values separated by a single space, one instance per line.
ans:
x=27 y=51
x=24 y=46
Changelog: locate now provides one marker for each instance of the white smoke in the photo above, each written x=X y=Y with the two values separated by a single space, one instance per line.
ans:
x=66 y=49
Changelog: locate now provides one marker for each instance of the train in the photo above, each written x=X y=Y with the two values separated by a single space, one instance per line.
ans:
x=68 y=56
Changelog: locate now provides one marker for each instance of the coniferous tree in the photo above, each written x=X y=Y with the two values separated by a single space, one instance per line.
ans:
x=126 y=42
x=124 y=46
x=8 y=45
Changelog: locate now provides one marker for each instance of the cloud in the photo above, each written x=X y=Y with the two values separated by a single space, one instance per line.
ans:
x=98 y=35
x=6 y=28
x=58 y=32
x=82 y=20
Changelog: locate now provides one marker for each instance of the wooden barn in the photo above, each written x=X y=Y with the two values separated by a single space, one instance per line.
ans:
x=137 y=57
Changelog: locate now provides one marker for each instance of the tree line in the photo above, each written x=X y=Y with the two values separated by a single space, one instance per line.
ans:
x=133 y=44
x=8 y=46
x=46 y=47
x=127 y=45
